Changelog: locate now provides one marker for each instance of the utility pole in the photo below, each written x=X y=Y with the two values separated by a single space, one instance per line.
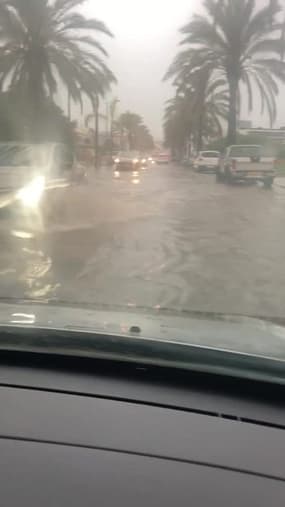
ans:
x=96 y=132
x=113 y=106
x=107 y=118
x=69 y=104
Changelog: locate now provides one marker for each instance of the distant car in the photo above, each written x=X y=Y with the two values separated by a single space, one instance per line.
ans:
x=149 y=160
x=162 y=158
x=129 y=161
x=207 y=161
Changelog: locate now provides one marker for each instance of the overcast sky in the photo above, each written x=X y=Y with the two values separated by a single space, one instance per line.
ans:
x=146 y=39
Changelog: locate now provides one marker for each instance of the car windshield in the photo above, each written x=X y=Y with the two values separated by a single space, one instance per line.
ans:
x=245 y=151
x=129 y=154
x=210 y=154
x=19 y=155
x=110 y=204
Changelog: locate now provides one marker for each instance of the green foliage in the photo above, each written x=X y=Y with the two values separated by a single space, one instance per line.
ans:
x=139 y=137
x=281 y=153
x=46 y=42
x=196 y=113
x=238 y=41
x=15 y=121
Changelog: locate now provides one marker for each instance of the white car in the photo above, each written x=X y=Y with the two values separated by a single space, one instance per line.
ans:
x=246 y=163
x=207 y=161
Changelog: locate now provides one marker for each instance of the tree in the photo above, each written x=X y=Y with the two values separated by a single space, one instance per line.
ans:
x=177 y=125
x=15 y=120
x=196 y=112
x=44 y=42
x=243 y=43
x=139 y=137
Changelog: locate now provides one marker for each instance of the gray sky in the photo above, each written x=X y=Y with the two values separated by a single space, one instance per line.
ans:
x=145 y=42
x=146 y=38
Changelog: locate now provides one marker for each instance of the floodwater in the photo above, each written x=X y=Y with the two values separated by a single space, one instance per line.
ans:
x=165 y=237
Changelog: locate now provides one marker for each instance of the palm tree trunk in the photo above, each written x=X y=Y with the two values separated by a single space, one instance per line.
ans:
x=200 y=133
x=69 y=105
x=201 y=108
x=232 y=118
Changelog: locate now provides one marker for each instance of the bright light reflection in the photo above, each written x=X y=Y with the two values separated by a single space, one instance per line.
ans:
x=23 y=318
x=30 y=195
x=136 y=181
x=117 y=174
x=22 y=234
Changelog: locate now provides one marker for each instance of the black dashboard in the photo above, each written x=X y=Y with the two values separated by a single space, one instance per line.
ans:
x=94 y=433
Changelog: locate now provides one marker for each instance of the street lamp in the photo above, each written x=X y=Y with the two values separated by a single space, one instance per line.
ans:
x=96 y=134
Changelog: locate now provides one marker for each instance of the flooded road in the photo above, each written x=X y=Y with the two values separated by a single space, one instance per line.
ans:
x=163 y=238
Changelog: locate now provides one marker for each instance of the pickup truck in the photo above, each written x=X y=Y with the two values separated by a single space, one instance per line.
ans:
x=246 y=163
x=34 y=173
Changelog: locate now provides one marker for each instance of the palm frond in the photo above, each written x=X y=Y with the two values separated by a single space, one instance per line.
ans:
x=240 y=41
x=44 y=42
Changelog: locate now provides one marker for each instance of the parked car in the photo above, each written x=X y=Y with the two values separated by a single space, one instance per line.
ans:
x=207 y=161
x=246 y=163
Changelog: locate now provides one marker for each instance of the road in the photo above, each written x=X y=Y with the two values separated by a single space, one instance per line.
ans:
x=166 y=238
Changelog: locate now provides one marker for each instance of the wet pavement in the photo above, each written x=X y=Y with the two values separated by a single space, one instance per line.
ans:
x=165 y=238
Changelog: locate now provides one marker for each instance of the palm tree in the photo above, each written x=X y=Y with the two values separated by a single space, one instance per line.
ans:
x=44 y=42
x=131 y=123
x=139 y=137
x=241 y=41
x=197 y=111
x=177 y=124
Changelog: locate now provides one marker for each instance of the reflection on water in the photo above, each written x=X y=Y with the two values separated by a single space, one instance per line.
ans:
x=26 y=269
x=38 y=267
x=132 y=176
x=22 y=234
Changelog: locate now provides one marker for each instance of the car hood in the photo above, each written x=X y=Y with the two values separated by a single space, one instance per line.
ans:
x=233 y=333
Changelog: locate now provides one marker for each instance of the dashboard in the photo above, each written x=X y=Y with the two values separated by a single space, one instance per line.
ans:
x=93 y=433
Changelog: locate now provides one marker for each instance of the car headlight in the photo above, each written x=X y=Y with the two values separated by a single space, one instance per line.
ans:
x=117 y=160
x=150 y=159
x=31 y=195
x=143 y=160
x=135 y=160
